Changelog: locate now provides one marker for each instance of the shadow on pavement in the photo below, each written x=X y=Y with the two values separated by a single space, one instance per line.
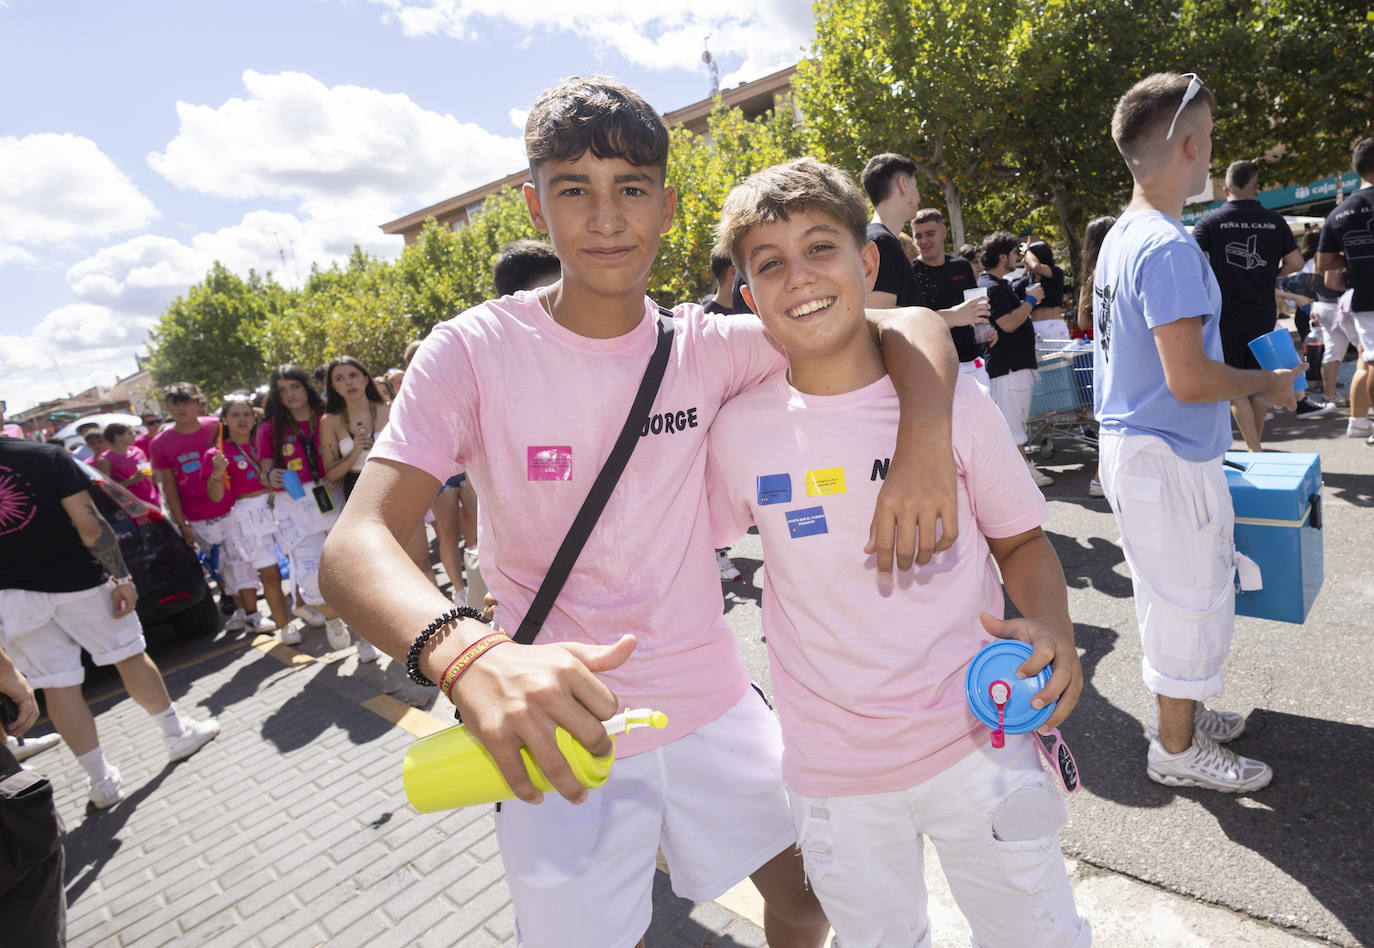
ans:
x=1090 y=564
x=1313 y=821
x=738 y=590
x=92 y=844
x=317 y=706
x=681 y=923
x=1355 y=489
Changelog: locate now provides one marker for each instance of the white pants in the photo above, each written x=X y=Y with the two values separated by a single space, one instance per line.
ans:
x=1011 y=393
x=235 y=572
x=1337 y=330
x=44 y=633
x=713 y=801
x=1051 y=329
x=253 y=531
x=978 y=369
x=301 y=530
x=994 y=818
x=1177 y=531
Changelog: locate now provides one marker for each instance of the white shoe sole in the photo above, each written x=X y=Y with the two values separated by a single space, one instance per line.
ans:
x=1174 y=780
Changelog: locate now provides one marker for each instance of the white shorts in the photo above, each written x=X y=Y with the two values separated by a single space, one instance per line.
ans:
x=1177 y=531
x=1052 y=329
x=994 y=818
x=1364 y=330
x=713 y=801
x=44 y=633
x=978 y=370
x=1011 y=393
x=253 y=531
x=301 y=530
x=234 y=571
x=1337 y=330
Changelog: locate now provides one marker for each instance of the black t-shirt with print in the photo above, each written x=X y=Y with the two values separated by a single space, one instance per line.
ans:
x=1051 y=287
x=1349 y=229
x=1245 y=242
x=1014 y=349
x=894 y=270
x=714 y=308
x=943 y=287
x=40 y=549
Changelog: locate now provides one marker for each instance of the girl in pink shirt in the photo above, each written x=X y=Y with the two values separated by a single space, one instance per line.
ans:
x=127 y=466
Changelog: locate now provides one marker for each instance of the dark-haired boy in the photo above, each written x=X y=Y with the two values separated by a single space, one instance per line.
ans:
x=890 y=181
x=524 y=265
x=1161 y=391
x=544 y=385
x=879 y=746
x=941 y=282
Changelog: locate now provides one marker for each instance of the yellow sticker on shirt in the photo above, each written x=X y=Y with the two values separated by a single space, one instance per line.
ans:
x=295 y=464
x=829 y=480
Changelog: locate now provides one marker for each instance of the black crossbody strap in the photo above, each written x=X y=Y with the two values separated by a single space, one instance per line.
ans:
x=601 y=489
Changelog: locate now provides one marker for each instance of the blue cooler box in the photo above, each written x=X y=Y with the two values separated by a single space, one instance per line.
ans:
x=1278 y=504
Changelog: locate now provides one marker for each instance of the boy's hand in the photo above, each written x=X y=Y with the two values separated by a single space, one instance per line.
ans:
x=16 y=687
x=1050 y=644
x=513 y=697
x=1278 y=387
x=917 y=513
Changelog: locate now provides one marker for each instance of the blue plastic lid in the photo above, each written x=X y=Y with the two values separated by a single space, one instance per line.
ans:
x=999 y=661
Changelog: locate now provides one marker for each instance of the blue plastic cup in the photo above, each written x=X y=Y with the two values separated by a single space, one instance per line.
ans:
x=1275 y=350
x=292 y=482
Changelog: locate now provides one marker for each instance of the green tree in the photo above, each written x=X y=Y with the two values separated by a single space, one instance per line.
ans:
x=209 y=336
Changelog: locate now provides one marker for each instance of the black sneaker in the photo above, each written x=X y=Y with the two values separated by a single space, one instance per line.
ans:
x=1310 y=408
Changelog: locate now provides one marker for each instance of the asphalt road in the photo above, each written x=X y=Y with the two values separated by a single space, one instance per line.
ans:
x=1299 y=853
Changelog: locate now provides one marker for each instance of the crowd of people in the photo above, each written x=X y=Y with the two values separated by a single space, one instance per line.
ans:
x=868 y=416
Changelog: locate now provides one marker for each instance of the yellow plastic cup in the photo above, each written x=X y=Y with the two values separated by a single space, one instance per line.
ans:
x=452 y=769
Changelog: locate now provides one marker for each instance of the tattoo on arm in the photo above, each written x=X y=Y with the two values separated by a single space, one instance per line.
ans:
x=105 y=548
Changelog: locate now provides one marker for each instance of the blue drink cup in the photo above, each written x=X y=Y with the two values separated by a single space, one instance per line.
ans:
x=1275 y=350
x=292 y=482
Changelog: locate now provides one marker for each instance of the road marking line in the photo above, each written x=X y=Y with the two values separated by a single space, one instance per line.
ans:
x=409 y=719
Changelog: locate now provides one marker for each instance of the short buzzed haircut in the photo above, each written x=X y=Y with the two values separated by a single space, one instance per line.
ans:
x=1241 y=174
x=524 y=265
x=720 y=263
x=115 y=429
x=1362 y=158
x=1143 y=114
x=596 y=114
x=776 y=193
x=928 y=215
x=880 y=173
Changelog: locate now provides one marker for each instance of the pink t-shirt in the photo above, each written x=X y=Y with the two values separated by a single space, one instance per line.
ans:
x=125 y=466
x=299 y=443
x=185 y=456
x=868 y=671
x=242 y=470
x=530 y=410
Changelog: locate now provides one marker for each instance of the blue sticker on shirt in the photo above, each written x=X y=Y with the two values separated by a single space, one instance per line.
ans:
x=807 y=522
x=773 y=488
x=190 y=468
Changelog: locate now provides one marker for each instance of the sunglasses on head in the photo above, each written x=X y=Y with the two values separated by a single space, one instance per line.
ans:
x=1193 y=87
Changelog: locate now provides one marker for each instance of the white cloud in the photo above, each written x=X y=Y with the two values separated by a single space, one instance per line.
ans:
x=10 y=253
x=72 y=349
x=652 y=34
x=59 y=187
x=293 y=137
x=79 y=326
x=518 y=117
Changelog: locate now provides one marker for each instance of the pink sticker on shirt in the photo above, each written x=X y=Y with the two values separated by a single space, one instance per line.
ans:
x=549 y=462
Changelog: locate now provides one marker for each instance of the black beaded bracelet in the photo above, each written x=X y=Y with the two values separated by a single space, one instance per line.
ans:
x=413 y=653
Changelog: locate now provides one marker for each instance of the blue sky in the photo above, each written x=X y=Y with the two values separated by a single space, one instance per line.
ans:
x=142 y=139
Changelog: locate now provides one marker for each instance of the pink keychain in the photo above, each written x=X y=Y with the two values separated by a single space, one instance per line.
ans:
x=1000 y=693
x=1060 y=759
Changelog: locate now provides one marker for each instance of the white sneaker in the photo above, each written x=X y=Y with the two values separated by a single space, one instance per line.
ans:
x=31 y=745
x=1220 y=726
x=1359 y=428
x=460 y=598
x=1039 y=477
x=106 y=792
x=196 y=736
x=1207 y=764
x=367 y=652
x=256 y=622
x=337 y=634
x=728 y=571
x=308 y=614
x=1095 y=488
x=236 y=621
x=291 y=635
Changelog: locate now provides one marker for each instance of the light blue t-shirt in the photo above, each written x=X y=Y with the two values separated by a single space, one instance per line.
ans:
x=1150 y=272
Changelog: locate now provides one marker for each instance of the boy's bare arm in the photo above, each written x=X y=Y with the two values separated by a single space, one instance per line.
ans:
x=918 y=495
x=1034 y=579
x=1193 y=377
x=508 y=697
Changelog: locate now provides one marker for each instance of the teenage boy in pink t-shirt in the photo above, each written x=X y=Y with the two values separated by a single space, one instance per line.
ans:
x=527 y=394
x=879 y=745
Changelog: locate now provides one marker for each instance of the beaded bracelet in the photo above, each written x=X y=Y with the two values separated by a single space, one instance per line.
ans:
x=467 y=657
x=422 y=640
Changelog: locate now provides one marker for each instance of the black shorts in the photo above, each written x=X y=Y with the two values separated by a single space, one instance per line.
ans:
x=1237 y=329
